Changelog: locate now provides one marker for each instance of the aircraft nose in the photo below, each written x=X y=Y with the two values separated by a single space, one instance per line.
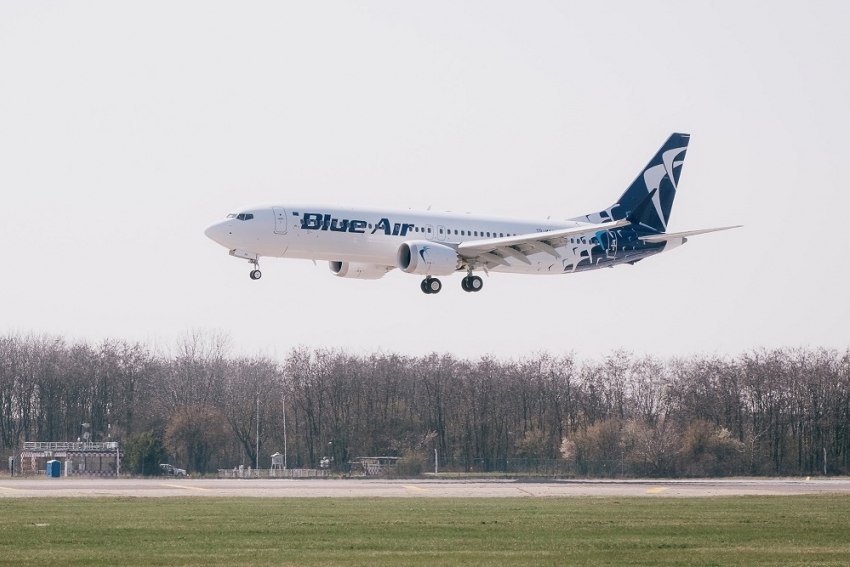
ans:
x=216 y=232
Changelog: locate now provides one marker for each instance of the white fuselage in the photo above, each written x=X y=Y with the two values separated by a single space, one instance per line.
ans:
x=372 y=236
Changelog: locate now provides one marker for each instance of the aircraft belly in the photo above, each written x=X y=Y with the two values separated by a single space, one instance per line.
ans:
x=331 y=246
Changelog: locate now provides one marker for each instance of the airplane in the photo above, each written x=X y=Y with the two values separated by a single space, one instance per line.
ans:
x=368 y=243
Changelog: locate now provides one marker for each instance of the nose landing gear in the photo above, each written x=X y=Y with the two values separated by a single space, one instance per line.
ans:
x=255 y=273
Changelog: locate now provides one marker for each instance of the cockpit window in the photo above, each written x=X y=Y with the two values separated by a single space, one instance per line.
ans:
x=241 y=216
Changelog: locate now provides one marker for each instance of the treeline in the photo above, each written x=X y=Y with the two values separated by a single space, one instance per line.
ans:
x=776 y=412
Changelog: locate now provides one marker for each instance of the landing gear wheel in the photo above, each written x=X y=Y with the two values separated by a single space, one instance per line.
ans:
x=255 y=273
x=431 y=285
x=472 y=283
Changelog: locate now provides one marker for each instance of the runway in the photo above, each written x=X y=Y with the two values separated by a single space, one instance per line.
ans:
x=413 y=488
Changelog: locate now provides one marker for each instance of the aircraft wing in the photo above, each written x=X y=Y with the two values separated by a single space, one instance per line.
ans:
x=495 y=250
x=674 y=235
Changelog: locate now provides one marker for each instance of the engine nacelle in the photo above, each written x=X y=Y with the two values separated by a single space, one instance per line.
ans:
x=427 y=258
x=359 y=271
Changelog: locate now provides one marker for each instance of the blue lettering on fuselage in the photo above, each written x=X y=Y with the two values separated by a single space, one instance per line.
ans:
x=323 y=221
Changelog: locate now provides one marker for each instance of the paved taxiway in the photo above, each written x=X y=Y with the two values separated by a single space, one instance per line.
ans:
x=419 y=488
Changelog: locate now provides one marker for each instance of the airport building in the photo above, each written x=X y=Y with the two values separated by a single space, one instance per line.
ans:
x=77 y=458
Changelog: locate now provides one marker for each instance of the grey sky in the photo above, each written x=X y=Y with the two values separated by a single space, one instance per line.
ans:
x=125 y=129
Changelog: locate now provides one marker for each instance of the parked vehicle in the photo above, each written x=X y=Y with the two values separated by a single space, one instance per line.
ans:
x=171 y=470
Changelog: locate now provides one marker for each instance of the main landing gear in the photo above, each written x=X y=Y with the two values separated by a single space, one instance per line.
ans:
x=471 y=283
x=431 y=285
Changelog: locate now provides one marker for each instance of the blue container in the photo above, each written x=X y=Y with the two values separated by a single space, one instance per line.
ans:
x=54 y=469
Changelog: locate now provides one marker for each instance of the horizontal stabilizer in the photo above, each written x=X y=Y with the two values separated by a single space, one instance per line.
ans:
x=675 y=235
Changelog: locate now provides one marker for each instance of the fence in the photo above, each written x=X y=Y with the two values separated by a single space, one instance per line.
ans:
x=272 y=473
x=69 y=446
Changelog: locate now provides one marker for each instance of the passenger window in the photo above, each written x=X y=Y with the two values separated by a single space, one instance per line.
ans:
x=429 y=231
x=441 y=231
x=488 y=234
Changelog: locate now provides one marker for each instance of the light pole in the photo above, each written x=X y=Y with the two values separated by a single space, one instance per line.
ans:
x=284 y=432
x=86 y=437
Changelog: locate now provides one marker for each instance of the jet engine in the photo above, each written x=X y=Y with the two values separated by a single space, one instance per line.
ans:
x=427 y=258
x=356 y=270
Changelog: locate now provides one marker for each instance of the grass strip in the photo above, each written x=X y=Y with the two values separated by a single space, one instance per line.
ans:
x=796 y=530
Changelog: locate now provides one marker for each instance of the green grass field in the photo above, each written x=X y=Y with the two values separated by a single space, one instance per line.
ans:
x=563 y=531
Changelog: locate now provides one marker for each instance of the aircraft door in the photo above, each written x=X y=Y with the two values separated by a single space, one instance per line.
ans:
x=441 y=233
x=279 y=220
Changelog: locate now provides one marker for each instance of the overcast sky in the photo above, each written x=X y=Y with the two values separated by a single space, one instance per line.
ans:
x=127 y=128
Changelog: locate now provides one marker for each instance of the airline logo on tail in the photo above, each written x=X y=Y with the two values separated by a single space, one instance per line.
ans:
x=654 y=177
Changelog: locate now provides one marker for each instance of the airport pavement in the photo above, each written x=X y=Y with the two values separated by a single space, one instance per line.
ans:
x=414 y=488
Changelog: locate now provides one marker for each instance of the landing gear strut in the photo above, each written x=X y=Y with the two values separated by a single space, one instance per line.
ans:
x=472 y=283
x=431 y=285
x=255 y=273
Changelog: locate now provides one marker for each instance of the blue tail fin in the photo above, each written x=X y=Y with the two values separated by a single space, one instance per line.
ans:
x=649 y=199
